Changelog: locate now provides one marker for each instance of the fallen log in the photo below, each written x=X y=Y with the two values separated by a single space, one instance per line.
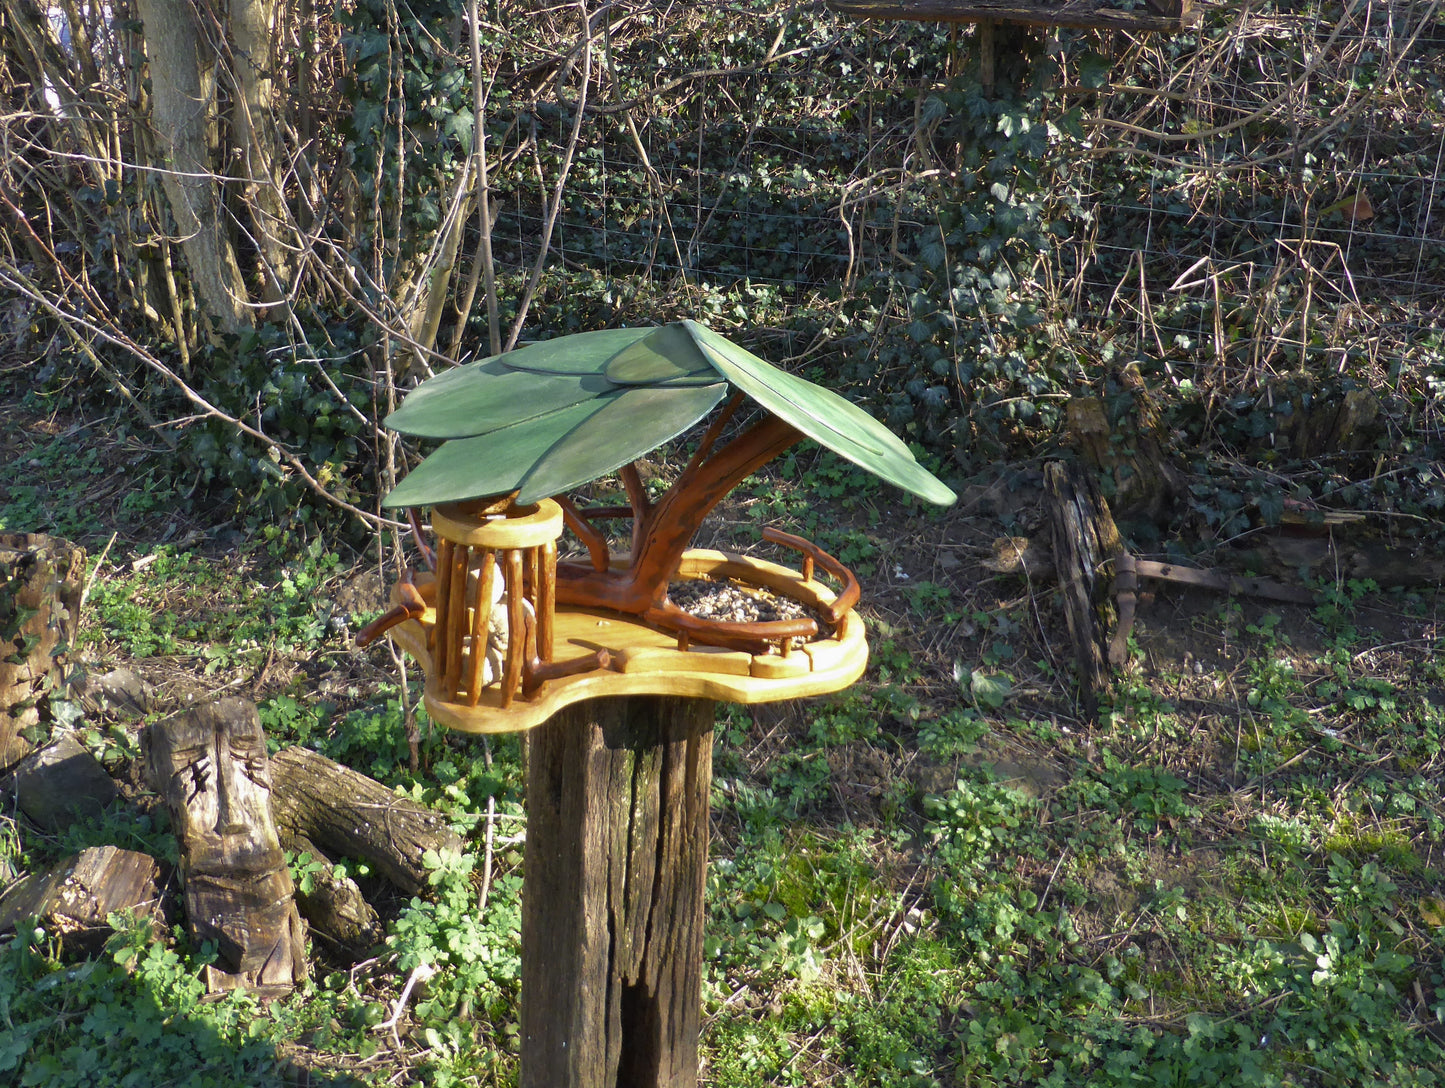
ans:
x=1276 y=566
x=332 y=905
x=350 y=815
x=40 y=586
x=74 y=898
x=210 y=765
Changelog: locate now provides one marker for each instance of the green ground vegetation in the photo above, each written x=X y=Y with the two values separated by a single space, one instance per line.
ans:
x=942 y=876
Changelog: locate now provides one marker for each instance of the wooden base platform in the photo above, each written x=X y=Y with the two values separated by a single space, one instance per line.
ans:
x=646 y=661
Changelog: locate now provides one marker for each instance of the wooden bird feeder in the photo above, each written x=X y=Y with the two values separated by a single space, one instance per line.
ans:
x=507 y=635
x=608 y=661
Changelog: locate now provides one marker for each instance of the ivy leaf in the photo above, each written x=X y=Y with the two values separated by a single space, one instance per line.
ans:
x=1093 y=70
x=1271 y=507
x=366 y=118
x=989 y=690
x=934 y=110
x=460 y=126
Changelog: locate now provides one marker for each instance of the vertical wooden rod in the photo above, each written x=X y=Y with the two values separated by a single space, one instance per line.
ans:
x=476 y=662
x=546 y=600
x=516 y=626
x=444 y=598
x=457 y=625
x=533 y=559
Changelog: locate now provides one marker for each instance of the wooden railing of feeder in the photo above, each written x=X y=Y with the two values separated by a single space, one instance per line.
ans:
x=1156 y=15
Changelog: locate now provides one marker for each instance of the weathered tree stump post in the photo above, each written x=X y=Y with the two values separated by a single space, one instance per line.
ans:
x=40 y=585
x=1085 y=543
x=612 y=911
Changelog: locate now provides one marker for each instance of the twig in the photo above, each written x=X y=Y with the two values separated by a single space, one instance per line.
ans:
x=491 y=836
x=420 y=973
x=1050 y=885
x=554 y=207
x=90 y=579
x=483 y=257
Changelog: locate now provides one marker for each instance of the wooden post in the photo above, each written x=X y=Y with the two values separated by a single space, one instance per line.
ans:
x=612 y=907
x=1085 y=542
x=40 y=585
x=987 y=52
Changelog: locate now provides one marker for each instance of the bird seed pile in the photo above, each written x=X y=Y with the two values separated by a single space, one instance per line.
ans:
x=733 y=602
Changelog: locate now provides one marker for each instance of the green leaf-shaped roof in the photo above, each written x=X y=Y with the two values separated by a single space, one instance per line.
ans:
x=555 y=415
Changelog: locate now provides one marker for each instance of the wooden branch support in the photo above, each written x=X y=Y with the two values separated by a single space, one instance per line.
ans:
x=585 y=531
x=612 y=907
x=411 y=607
x=429 y=557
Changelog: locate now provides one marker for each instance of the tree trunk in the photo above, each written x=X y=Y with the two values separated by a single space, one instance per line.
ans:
x=183 y=108
x=1137 y=457
x=353 y=816
x=612 y=906
x=210 y=765
x=253 y=118
x=40 y=586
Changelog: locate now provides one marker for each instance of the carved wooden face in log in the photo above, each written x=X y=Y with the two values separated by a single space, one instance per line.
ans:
x=214 y=771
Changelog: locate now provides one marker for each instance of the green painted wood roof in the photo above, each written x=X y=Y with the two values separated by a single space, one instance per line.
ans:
x=552 y=416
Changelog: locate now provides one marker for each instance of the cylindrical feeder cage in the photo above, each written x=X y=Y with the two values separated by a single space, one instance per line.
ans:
x=495 y=600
